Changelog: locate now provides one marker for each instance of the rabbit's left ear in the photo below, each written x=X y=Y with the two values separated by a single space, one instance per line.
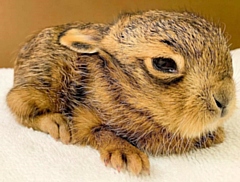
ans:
x=82 y=40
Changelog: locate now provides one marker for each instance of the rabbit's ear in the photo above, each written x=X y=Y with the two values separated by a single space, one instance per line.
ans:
x=81 y=40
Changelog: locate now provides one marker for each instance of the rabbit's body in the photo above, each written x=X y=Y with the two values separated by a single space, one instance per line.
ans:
x=154 y=82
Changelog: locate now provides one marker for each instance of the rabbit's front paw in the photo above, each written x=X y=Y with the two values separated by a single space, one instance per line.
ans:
x=125 y=156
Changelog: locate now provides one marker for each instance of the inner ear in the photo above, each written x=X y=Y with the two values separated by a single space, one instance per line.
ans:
x=81 y=40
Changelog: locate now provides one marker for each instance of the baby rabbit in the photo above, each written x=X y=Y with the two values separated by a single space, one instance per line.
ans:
x=152 y=82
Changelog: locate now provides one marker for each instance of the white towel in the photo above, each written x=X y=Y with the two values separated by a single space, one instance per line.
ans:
x=27 y=155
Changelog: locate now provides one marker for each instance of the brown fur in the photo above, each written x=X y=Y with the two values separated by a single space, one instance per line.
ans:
x=99 y=83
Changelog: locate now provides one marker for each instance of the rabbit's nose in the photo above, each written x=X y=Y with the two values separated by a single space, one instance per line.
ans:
x=221 y=105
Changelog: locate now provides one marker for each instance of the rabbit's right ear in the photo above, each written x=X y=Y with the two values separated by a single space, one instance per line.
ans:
x=81 y=40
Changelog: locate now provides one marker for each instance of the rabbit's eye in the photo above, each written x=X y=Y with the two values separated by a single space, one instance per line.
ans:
x=166 y=65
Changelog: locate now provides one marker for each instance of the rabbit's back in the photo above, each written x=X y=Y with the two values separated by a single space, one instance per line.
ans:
x=57 y=72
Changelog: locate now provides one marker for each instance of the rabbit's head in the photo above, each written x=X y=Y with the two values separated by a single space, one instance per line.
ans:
x=177 y=66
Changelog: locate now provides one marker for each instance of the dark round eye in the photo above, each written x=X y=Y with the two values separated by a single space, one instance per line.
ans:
x=166 y=65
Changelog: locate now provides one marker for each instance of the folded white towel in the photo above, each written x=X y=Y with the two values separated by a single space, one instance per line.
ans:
x=27 y=155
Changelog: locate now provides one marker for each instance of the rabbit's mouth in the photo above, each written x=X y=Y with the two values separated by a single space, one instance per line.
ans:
x=201 y=123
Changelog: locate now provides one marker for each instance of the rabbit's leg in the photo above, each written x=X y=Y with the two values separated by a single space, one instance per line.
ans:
x=117 y=152
x=120 y=154
x=88 y=129
x=54 y=124
x=34 y=109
